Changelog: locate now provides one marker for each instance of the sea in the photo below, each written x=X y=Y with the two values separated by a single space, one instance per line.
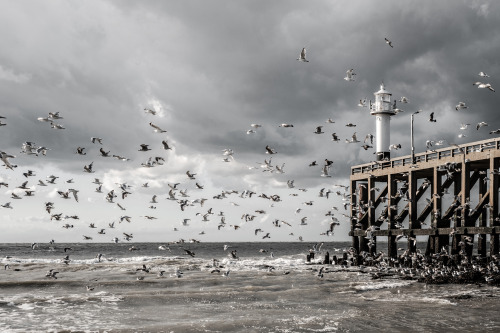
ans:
x=223 y=287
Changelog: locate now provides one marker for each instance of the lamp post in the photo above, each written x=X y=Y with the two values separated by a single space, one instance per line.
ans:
x=411 y=133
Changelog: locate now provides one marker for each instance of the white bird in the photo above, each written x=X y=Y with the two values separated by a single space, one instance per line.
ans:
x=403 y=99
x=157 y=129
x=350 y=73
x=483 y=74
x=481 y=124
x=4 y=157
x=354 y=139
x=153 y=112
x=483 y=85
x=325 y=171
x=464 y=126
x=460 y=105
x=255 y=125
x=302 y=56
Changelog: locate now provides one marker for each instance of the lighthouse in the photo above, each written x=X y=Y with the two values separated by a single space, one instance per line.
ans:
x=382 y=110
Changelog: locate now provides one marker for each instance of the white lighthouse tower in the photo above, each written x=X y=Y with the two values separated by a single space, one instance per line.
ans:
x=383 y=110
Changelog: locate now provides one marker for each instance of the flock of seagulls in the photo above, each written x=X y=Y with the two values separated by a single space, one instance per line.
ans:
x=192 y=203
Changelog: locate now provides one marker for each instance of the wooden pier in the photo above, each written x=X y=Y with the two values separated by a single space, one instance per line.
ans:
x=447 y=196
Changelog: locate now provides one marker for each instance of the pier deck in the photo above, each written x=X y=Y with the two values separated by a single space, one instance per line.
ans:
x=449 y=195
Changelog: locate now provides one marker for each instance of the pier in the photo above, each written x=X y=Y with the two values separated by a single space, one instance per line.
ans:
x=447 y=197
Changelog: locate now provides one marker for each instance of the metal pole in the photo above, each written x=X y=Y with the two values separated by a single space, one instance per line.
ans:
x=411 y=133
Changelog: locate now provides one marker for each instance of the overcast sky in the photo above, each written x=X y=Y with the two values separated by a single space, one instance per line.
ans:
x=210 y=69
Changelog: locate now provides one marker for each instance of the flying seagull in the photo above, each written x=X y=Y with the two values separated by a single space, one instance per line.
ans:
x=302 y=56
x=350 y=75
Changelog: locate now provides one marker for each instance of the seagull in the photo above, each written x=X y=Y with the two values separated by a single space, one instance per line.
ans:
x=153 y=112
x=79 y=151
x=350 y=73
x=354 y=139
x=318 y=130
x=165 y=145
x=325 y=170
x=483 y=85
x=94 y=140
x=483 y=74
x=57 y=126
x=481 y=124
x=335 y=137
x=460 y=105
x=285 y=125
x=464 y=126
x=104 y=153
x=5 y=159
x=269 y=150
x=431 y=117
x=144 y=147
x=362 y=102
x=388 y=42
x=157 y=129
x=329 y=121
x=302 y=56
x=88 y=168
x=403 y=99
x=190 y=175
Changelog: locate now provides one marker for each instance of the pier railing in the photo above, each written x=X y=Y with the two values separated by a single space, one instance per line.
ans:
x=430 y=155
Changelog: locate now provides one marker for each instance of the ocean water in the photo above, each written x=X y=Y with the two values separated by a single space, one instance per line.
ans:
x=275 y=290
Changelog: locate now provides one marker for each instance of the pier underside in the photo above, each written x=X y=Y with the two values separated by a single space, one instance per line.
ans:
x=448 y=197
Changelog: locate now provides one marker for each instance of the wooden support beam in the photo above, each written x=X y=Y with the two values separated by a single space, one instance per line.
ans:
x=481 y=210
x=413 y=223
x=420 y=192
x=363 y=198
x=353 y=201
x=382 y=194
x=494 y=238
x=392 y=249
x=457 y=190
x=372 y=248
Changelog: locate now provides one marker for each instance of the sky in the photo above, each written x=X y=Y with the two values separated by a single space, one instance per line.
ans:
x=210 y=69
